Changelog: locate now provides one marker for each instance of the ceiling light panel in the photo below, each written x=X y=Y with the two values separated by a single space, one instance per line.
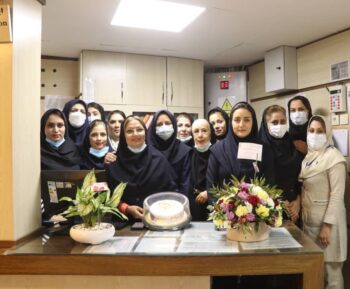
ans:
x=155 y=15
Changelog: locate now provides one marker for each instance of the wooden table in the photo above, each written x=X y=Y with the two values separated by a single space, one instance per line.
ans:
x=61 y=256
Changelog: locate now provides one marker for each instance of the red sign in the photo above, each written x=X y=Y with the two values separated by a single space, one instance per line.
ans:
x=224 y=84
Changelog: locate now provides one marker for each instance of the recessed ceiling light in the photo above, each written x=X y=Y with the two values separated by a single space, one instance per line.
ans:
x=155 y=15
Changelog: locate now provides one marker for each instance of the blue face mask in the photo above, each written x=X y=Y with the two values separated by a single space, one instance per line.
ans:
x=55 y=144
x=139 y=149
x=99 y=153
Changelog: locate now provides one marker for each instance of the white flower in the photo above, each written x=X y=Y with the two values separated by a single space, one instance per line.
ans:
x=255 y=190
x=270 y=203
x=249 y=206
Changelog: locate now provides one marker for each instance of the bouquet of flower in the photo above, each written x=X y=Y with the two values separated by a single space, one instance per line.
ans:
x=240 y=204
x=93 y=200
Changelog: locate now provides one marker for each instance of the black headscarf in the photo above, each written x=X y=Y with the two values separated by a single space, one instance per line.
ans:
x=66 y=156
x=199 y=164
x=173 y=149
x=287 y=160
x=225 y=152
x=146 y=173
x=189 y=142
x=299 y=132
x=89 y=161
x=99 y=108
x=227 y=121
x=77 y=134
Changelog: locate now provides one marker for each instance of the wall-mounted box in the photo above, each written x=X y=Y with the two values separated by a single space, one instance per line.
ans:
x=281 y=69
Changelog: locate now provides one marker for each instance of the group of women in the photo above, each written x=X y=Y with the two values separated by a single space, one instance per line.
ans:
x=189 y=157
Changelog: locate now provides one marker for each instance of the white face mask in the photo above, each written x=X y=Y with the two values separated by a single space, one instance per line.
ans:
x=92 y=118
x=316 y=141
x=298 y=117
x=165 y=131
x=139 y=149
x=203 y=148
x=278 y=131
x=77 y=119
x=184 y=139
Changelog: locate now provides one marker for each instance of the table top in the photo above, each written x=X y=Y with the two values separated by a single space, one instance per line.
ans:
x=198 y=239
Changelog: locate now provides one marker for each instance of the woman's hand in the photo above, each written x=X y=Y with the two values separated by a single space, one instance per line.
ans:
x=110 y=158
x=135 y=211
x=294 y=209
x=325 y=234
x=301 y=146
x=202 y=197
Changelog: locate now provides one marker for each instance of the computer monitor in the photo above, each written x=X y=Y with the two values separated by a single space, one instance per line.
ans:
x=57 y=184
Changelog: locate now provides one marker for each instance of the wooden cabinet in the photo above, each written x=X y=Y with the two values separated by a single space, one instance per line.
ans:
x=141 y=82
x=106 y=72
x=281 y=69
x=145 y=80
x=185 y=82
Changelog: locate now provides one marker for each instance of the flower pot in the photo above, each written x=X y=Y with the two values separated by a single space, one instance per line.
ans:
x=92 y=235
x=251 y=235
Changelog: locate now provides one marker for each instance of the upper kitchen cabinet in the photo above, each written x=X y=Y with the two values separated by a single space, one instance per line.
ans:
x=103 y=76
x=281 y=69
x=184 y=82
x=145 y=80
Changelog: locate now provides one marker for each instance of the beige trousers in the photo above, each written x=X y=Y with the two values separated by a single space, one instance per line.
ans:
x=333 y=275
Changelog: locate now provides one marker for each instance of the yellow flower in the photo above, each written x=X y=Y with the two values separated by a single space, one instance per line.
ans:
x=218 y=223
x=262 y=211
x=241 y=210
x=278 y=221
x=263 y=195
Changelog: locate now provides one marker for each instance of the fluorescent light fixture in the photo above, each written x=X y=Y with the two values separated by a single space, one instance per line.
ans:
x=155 y=15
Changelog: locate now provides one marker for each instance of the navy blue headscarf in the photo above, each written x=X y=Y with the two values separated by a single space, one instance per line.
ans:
x=146 y=173
x=223 y=162
x=77 y=134
x=217 y=109
x=299 y=132
x=66 y=156
x=173 y=149
x=90 y=161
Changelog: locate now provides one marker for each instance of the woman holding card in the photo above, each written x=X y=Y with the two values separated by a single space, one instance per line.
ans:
x=241 y=153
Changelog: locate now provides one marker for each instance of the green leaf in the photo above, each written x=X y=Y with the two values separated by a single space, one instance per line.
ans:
x=89 y=180
x=117 y=195
x=84 y=209
x=68 y=199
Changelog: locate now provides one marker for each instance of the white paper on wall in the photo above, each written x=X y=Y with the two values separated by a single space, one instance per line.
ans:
x=56 y=101
x=88 y=90
x=341 y=140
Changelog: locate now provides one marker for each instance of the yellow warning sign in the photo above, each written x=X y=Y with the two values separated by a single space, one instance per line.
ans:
x=227 y=107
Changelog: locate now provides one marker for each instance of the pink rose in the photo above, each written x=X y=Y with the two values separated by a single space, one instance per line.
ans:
x=99 y=187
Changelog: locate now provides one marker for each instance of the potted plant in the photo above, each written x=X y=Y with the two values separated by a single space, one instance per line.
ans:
x=93 y=200
x=246 y=210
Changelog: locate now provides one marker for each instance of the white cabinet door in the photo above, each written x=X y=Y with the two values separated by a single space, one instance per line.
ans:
x=281 y=69
x=184 y=82
x=106 y=71
x=145 y=80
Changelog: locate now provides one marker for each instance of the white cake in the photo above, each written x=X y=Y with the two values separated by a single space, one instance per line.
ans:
x=167 y=213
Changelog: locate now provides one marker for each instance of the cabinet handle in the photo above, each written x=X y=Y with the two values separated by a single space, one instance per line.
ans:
x=172 y=92
x=278 y=67
x=122 y=90
x=163 y=92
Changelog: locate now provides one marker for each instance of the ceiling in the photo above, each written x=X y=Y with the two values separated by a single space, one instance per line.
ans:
x=228 y=33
